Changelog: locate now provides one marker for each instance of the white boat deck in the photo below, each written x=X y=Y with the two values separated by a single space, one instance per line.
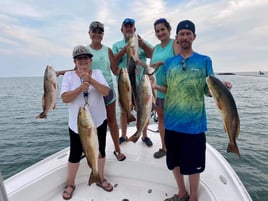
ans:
x=140 y=177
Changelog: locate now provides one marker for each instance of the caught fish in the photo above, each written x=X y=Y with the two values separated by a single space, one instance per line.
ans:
x=125 y=94
x=132 y=57
x=132 y=47
x=50 y=92
x=144 y=103
x=227 y=107
x=89 y=139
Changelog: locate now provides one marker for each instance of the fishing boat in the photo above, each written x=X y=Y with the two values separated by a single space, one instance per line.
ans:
x=140 y=177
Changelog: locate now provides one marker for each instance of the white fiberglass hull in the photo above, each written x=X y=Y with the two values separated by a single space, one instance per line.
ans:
x=140 y=177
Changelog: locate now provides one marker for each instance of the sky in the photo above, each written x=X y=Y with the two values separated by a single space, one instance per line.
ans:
x=37 y=33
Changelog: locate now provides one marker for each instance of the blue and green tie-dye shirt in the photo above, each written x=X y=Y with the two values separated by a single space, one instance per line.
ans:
x=185 y=79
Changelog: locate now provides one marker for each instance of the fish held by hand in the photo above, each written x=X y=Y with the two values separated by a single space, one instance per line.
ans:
x=227 y=107
x=50 y=92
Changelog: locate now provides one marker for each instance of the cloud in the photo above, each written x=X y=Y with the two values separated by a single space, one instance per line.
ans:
x=232 y=32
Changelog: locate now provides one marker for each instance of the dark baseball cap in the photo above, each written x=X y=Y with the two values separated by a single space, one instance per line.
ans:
x=96 y=25
x=186 y=24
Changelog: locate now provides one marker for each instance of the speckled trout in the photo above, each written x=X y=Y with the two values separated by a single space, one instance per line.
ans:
x=50 y=92
x=227 y=107
x=144 y=106
x=89 y=139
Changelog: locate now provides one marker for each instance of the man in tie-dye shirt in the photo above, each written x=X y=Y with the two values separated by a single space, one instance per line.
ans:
x=184 y=112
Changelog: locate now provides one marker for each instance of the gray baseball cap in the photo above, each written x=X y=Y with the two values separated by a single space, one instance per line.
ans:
x=81 y=50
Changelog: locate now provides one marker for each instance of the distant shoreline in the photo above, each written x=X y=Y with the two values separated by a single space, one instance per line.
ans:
x=225 y=73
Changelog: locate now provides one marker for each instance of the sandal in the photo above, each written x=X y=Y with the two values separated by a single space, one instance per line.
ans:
x=105 y=185
x=68 y=193
x=119 y=156
x=122 y=139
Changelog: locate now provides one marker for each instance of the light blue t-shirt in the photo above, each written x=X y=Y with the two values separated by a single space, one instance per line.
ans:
x=118 y=46
x=184 y=109
x=161 y=54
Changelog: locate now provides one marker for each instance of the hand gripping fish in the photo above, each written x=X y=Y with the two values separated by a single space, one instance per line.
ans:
x=50 y=92
x=227 y=107
x=89 y=139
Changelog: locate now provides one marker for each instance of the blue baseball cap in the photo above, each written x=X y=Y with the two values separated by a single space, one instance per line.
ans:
x=186 y=24
x=128 y=21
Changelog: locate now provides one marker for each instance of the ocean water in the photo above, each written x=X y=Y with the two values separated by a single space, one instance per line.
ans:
x=25 y=140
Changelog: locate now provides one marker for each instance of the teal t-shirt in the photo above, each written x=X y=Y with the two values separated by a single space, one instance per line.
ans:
x=184 y=109
x=160 y=54
x=101 y=60
x=118 y=46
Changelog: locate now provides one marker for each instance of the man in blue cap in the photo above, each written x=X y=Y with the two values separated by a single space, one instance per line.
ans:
x=184 y=112
x=145 y=50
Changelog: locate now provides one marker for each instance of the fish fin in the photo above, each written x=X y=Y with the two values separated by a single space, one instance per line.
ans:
x=233 y=148
x=54 y=106
x=134 y=138
x=225 y=128
x=94 y=178
x=55 y=85
x=219 y=105
x=130 y=118
x=43 y=102
x=42 y=115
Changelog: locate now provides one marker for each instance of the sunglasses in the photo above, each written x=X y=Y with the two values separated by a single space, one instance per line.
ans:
x=85 y=57
x=183 y=65
x=129 y=21
x=98 y=31
x=160 y=20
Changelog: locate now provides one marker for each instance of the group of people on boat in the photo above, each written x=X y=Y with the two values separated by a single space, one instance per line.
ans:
x=180 y=84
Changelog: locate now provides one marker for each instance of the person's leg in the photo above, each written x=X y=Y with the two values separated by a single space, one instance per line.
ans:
x=160 y=114
x=123 y=121
x=73 y=163
x=114 y=131
x=101 y=165
x=102 y=131
x=180 y=182
x=194 y=184
x=161 y=127
x=70 y=185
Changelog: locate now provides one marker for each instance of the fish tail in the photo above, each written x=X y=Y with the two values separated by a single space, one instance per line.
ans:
x=130 y=118
x=94 y=178
x=134 y=138
x=234 y=149
x=42 y=115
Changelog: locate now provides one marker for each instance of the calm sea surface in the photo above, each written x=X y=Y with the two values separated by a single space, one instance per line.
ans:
x=25 y=140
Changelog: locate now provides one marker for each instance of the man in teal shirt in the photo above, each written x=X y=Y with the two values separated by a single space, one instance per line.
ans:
x=120 y=49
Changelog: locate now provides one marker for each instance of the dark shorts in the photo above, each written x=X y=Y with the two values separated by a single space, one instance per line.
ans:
x=76 y=148
x=160 y=102
x=110 y=98
x=187 y=151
